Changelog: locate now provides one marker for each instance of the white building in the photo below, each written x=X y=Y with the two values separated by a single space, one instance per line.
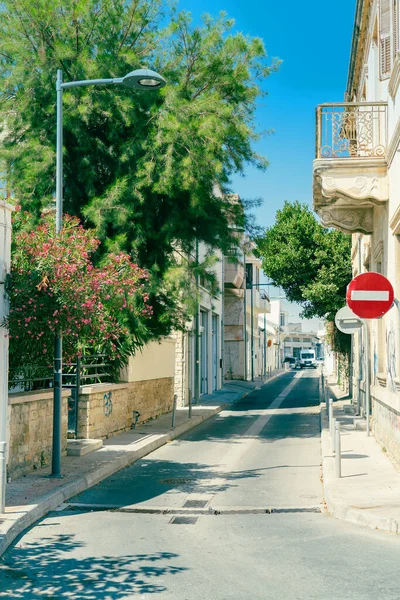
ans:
x=199 y=371
x=357 y=190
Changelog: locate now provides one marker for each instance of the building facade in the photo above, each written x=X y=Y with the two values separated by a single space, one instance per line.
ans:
x=244 y=301
x=198 y=371
x=357 y=190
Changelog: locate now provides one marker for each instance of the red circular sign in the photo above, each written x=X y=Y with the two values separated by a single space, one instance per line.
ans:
x=370 y=295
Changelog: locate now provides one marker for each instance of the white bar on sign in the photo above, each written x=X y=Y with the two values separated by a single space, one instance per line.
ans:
x=382 y=295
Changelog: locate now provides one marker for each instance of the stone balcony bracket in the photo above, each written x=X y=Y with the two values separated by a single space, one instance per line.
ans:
x=346 y=191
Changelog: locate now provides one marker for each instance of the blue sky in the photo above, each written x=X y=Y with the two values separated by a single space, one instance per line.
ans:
x=313 y=40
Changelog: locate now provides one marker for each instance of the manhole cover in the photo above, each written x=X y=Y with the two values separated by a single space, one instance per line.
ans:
x=195 y=503
x=184 y=520
x=177 y=480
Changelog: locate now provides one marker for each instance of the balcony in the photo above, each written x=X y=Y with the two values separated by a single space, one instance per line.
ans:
x=234 y=274
x=350 y=169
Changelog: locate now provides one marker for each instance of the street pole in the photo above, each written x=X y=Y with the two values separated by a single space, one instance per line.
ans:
x=222 y=336
x=5 y=221
x=245 y=317
x=252 y=328
x=265 y=344
x=360 y=341
x=196 y=339
x=57 y=372
x=367 y=375
x=143 y=79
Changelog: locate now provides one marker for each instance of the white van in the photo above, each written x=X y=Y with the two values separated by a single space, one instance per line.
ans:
x=307 y=359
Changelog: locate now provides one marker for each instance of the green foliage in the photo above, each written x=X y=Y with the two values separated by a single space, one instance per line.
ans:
x=310 y=263
x=148 y=170
x=338 y=341
x=54 y=286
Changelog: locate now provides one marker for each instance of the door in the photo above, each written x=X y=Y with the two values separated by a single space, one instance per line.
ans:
x=204 y=353
x=215 y=352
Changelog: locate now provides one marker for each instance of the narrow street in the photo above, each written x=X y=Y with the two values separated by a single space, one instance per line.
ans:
x=231 y=510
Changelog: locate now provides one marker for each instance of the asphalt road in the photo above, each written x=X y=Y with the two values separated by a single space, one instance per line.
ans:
x=231 y=510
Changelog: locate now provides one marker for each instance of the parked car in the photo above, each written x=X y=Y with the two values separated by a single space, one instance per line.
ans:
x=293 y=362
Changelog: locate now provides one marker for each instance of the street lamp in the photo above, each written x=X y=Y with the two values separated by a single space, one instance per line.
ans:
x=140 y=79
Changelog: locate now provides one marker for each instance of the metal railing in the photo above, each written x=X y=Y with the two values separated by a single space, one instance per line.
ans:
x=85 y=371
x=91 y=369
x=351 y=130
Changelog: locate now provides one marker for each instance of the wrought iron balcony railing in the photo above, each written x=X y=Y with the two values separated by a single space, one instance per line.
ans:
x=351 y=130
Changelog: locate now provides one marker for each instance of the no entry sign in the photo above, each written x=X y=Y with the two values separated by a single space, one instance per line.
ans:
x=346 y=321
x=370 y=295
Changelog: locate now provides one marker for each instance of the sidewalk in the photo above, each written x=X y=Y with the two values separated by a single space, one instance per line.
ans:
x=368 y=493
x=29 y=498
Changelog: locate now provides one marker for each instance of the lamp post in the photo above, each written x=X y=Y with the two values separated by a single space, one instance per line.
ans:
x=141 y=79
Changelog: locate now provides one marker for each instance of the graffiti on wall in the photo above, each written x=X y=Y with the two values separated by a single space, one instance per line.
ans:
x=391 y=357
x=108 y=405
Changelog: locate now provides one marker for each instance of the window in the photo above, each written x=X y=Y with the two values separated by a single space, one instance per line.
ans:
x=249 y=275
x=306 y=340
x=282 y=319
x=385 y=53
x=295 y=339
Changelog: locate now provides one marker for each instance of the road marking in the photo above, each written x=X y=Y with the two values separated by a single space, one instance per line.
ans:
x=372 y=295
x=249 y=437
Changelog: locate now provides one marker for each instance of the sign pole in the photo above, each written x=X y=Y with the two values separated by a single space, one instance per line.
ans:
x=367 y=376
x=369 y=296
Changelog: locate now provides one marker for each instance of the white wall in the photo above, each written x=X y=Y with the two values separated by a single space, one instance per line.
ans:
x=155 y=361
x=5 y=262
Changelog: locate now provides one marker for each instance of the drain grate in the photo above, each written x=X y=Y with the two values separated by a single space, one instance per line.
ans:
x=177 y=480
x=184 y=520
x=195 y=503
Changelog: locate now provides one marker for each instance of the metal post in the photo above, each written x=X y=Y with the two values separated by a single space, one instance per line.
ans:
x=222 y=336
x=265 y=344
x=57 y=389
x=360 y=341
x=330 y=415
x=77 y=392
x=245 y=318
x=333 y=440
x=3 y=471
x=367 y=377
x=196 y=340
x=174 y=410
x=351 y=367
x=338 y=450
x=252 y=328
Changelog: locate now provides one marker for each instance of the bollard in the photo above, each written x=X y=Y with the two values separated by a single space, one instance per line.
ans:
x=174 y=410
x=333 y=435
x=338 y=451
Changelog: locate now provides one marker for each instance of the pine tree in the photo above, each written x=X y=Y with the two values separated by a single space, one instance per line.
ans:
x=148 y=170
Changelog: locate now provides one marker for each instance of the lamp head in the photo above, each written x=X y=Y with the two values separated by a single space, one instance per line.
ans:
x=143 y=79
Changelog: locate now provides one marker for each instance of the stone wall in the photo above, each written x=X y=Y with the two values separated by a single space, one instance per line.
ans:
x=105 y=410
x=31 y=425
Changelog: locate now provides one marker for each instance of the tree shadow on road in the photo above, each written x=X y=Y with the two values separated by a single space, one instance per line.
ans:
x=43 y=569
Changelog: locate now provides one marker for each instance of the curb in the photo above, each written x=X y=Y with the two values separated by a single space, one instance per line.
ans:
x=336 y=506
x=50 y=501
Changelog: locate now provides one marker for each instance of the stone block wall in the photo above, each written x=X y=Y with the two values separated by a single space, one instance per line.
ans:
x=31 y=425
x=105 y=410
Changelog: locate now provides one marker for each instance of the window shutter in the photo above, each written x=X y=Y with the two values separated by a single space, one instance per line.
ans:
x=384 y=35
x=395 y=28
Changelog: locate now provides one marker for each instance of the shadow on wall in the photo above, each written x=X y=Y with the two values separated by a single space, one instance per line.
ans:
x=44 y=570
